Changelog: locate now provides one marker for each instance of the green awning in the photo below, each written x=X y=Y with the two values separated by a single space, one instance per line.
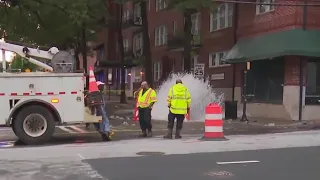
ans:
x=295 y=42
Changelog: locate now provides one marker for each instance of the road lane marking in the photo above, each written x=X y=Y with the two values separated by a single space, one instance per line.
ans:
x=78 y=129
x=237 y=162
x=66 y=129
x=79 y=155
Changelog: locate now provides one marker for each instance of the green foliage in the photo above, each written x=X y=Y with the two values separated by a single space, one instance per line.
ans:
x=20 y=63
x=183 y=5
x=51 y=22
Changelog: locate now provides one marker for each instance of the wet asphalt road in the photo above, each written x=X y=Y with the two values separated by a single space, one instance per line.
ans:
x=278 y=164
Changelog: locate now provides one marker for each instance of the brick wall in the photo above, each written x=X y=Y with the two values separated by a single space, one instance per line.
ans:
x=292 y=71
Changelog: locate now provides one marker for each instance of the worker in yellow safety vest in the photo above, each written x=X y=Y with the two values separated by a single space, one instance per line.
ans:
x=146 y=98
x=179 y=100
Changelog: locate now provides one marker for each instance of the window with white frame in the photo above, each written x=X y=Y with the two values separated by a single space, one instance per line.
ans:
x=157 y=69
x=222 y=17
x=126 y=75
x=138 y=43
x=126 y=45
x=195 y=20
x=174 y=29
x=137 y=13
x=126 y=15
x=261 y=8
x=216 y=59
x=194 y=60
x=161 y=35
x=161 y=4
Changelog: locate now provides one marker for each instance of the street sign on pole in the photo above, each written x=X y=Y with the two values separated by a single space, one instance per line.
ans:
x=199 y=70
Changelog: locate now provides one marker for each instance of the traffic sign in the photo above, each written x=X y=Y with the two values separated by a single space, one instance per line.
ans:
x=199 y=70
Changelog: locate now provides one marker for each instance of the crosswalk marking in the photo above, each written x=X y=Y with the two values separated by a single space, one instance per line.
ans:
x=66 y=129
x=78 y=129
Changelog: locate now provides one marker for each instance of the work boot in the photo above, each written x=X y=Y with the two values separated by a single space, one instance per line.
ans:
x=169 y=134
x=143 y=134
x=106 y=136
x=149 y=133
x=178 y=136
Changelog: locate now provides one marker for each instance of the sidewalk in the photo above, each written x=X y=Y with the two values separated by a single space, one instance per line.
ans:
x=121 y=115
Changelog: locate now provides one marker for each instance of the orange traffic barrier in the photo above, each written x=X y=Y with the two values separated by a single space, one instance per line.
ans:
x=136 y=112
x=213 y=123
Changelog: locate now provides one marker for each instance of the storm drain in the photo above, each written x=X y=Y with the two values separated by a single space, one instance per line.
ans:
x=150 y=153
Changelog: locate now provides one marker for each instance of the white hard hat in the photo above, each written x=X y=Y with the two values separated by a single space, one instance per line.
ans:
x=100 y=83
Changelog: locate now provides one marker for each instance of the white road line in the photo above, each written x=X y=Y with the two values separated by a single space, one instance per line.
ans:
x=237 y=162
x=67 y=130
x=78 y=129
x=79 y=155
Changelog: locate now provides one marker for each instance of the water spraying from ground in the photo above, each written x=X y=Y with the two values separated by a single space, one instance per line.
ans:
x=201 y=93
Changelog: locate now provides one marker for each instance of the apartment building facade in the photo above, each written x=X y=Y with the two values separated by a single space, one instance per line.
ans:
x=278 y=40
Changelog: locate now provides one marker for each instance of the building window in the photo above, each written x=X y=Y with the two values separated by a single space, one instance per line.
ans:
x=100 y=54
x=221 y=18
x=126 y=45
x=161 y=35
x=195 y=20
x=174 y=29
x=313 y=82
x=216 y=59
x=264 y=8
x=138 y=44
x=126 y=75
x=137 y=14
x=194 y=61
x=126 y=16
x=157 y=69
x=265 y=81
x=161 y=4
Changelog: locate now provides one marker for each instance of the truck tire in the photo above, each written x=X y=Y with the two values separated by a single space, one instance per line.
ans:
x=34 y=125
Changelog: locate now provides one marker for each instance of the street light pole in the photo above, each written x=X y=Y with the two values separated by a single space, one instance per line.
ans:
x=244 y=94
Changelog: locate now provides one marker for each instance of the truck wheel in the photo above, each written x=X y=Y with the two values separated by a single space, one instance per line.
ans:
x=34 y=125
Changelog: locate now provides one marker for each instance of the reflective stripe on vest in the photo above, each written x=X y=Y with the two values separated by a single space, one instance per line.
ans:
x=145 y=103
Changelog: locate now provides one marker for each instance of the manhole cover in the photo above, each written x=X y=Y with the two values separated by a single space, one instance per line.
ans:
x=147 y=153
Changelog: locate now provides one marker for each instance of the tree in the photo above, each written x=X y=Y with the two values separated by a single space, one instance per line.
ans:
x=147 y=61
x=63 y=23
x=188 y=7
x=19 y=63
x=119 y=11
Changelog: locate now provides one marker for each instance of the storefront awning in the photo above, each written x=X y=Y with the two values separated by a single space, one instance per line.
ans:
x=295 y=42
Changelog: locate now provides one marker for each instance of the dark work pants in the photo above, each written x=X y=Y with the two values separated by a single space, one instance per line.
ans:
x=172 y=117
x=145 y=119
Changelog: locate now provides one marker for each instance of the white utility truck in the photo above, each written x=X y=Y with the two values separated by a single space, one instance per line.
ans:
x=33 y=103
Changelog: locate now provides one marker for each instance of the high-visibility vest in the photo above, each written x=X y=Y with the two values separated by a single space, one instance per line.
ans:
x=144 y=100
x=179 y=99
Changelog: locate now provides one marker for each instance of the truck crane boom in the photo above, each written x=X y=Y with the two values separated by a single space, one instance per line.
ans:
x=30 y=53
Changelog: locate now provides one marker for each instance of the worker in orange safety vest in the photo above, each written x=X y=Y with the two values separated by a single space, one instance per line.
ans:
x=146 y=98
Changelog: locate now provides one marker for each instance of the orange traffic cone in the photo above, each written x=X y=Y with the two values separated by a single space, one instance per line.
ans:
x=93 y=87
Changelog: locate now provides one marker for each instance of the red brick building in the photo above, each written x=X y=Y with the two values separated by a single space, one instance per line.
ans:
x=272 y=38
